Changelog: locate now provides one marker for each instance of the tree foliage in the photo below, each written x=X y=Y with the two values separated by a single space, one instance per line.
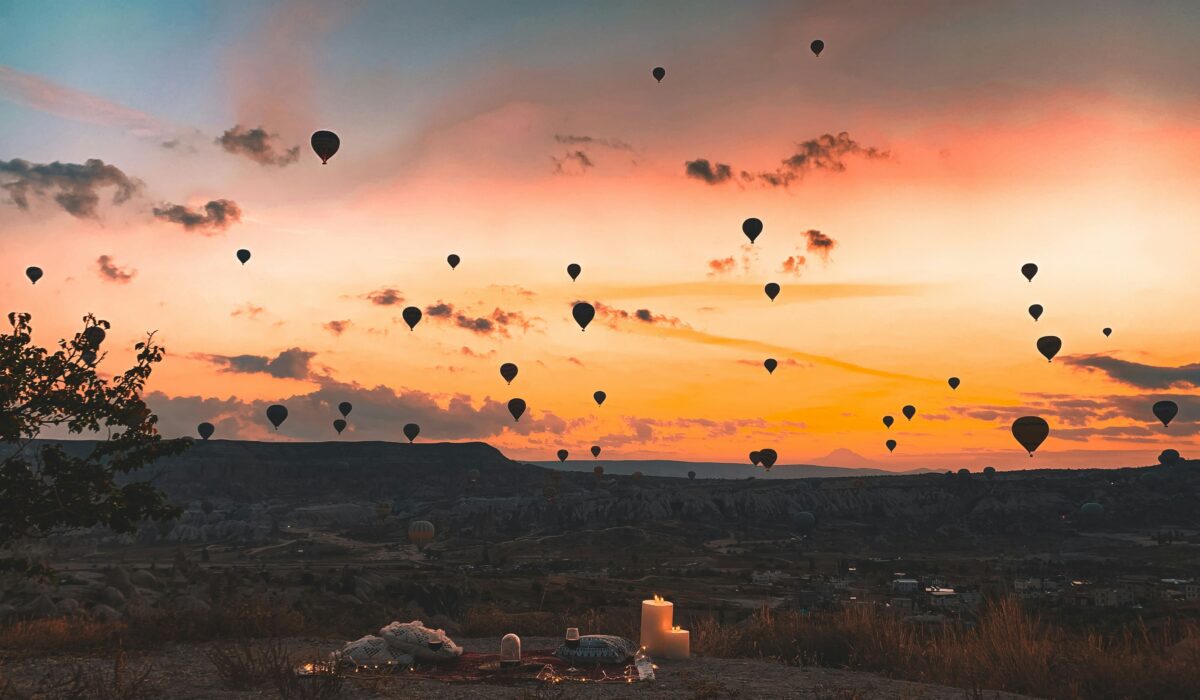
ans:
x=45 y=488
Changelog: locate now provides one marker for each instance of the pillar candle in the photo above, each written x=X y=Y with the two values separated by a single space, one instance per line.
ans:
x=677 y=644
x=657 y=615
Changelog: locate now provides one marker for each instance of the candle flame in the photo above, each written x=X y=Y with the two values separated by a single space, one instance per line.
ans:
x=675 y=628
x=658 y=598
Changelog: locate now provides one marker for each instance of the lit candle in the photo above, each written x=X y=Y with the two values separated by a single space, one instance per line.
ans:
x=656 y=622
x=677 y=644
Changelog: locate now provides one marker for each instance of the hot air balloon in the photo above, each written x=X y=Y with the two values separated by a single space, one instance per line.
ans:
x=206 y=430
x=1165 y=411
x=1049 y=345
x=325 y=144
x=752 y=227
x=989 y=472
x=562 y=455
x=277 y=414
x=770 y=364
x=595 y=451
x=583 y=313
x=243 y=256
x=772 y=290
x=88 y=356
x=34 y=274
x=1030 y=431
x=573 y=270
x=412 y=316
x=1168 y=457
x=755 y=458
x=339 y=425
x=473 y=475
x=516 y=407
x=411 y=431
x=805 y=521
x=887 y=421
x=691 y=474
x=909 y=411
x=1091 y=510
x=817 y=47
x=1029 y=270
x=891 y=445
x=953 y=382
x=508 y=371
x=453 y=260
x=1107 y=332
x=94 y=335
x=659 y=73
x=1036 y=311
x=767 y=457
x=420 y=532
x=598 y=471
x=599 y=396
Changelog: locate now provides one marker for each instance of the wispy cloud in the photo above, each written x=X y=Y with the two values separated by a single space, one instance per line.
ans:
x=258 y=145
x=38 y=93
x=337 y=327
x=293 y=363
x=827 y=152
x=72 y=186
x=1137 y=374
x=108 y=270
x=212 y=218
x=712 y=173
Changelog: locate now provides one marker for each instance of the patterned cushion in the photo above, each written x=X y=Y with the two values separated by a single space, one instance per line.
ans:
x=598 y=649
x=371 y=651
x=414 y=637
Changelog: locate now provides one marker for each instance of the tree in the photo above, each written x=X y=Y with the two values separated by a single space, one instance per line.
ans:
x=45 y=488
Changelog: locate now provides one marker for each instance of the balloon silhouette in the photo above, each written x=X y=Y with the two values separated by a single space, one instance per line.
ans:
x=595 y=451
x=1030 y=431
x=562 y=455
x=755 y=458
x=598 y=471
x=339 y=425
x=659 y=73
x=909 y=411
x=277 y=414
x=1168 y=457
x=411 y=431
x=768 y=457
x=325 y=144
x=953 y=382
x=887 y=421
x=599 y=396
x=453 y=260
x=509 y=371
x=206 y=430
x=243 y=256
x=34 y=274
x=1049 y=345
x=583 y=313
x=516 y=407
x=817 y=47
x=691 y=474
x=772 y=290
x=1029 y=270
x=88 y=356
x=1036 y=311
x=770 y=364
x=345 y=408
x=805 y=521
x=891 y=445
x=752 y=227
x=412 y=316
x=573 y=270
x=94 y=335
x=420 y=531
x=1165 y=411
x=1107 y=332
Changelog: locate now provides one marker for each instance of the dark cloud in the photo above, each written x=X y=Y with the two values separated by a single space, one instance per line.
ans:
x=385 y=296
x=612 y=315
x=497 y=324
x=292 y=363
x=108 y=270
x=713 y=174
x=439 y=310
x=721 y=266
x=1138 y=374
x=819 y=243
x=573 y=140
x=572 y=163
x=337 y=327
x=217 y=215
x=72 y=186
x=257 y=145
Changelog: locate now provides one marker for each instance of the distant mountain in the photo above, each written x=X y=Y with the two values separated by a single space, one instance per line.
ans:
x=711 y=470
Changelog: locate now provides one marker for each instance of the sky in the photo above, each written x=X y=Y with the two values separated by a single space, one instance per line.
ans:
x=903 y=178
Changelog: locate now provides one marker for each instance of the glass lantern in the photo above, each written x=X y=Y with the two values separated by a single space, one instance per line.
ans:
x=572 y=637
x=510 y=651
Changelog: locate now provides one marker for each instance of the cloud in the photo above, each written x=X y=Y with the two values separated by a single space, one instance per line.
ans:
x=720 y=266
x=611 y=315
x=479 y=355
x=337 y=327
x=572 y=163
x=72 y=186
x=108 y=270
x=701 y=169
x=785 y=362
x=496 y=324
x=257 y=145
x=1137 y=374
x=794 y=265
x=573 y=140
x=439 y=310
x=385 y=296
x=217 y=215
x=819 y=243
x=292 y=363
x=249 y=310
x=38 y=93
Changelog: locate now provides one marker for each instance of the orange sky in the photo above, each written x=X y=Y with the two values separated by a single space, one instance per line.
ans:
x=992 y=148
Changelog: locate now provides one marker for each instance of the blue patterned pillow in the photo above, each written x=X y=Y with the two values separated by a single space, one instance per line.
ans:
x=598 y=649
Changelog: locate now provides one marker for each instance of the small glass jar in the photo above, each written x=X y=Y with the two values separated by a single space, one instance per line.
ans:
x=572 y=637
x=510 y=651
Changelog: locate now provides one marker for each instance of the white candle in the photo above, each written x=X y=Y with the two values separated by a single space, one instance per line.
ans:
x=656 y=622
x=677 y=644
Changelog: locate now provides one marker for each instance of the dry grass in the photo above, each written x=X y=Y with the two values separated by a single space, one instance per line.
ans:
x=1009 y=649
x=243 y=664
x=121 y=681
x=492 y=621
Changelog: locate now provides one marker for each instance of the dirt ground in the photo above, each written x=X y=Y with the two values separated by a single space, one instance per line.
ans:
x=183 y=672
